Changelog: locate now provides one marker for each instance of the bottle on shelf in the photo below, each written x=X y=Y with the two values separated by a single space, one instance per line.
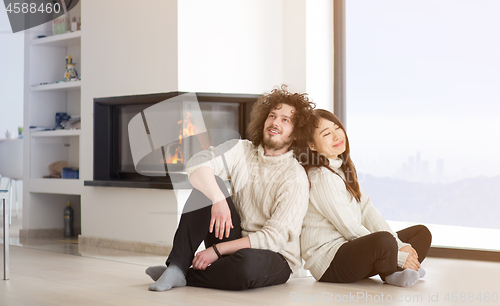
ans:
x=68 y=221
x=74 y=25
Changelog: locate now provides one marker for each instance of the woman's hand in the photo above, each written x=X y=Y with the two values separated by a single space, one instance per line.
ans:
x=410 y=250
x=221 y=219
x=412 y=259
x=204 y=258
x=411 y=263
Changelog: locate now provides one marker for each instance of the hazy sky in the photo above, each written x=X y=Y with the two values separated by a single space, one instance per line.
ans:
x=424 y=76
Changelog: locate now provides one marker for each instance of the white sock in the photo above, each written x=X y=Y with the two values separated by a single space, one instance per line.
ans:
x=421 y=272
x=405 y=278
x=172 y=277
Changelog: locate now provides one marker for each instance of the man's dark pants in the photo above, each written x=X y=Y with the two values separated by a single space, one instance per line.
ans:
x=246 y=268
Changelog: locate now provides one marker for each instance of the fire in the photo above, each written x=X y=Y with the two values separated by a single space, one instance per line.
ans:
x=187 y=129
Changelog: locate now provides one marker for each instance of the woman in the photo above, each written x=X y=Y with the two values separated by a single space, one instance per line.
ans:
x=344 y=238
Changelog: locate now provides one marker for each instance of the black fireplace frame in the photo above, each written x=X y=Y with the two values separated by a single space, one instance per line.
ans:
x=105 y=134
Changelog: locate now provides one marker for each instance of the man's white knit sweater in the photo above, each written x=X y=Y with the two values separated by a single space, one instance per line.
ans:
x=334 y=217
x=271 y=194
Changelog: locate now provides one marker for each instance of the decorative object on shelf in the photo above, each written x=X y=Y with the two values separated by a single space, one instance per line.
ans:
x=56 y=169
x=70 y=74
x=20 y=131
x=70 y=173
x=72 y=123
x=7 y=135
x=61 y=24
x=69 y=217
x=60 y=118
x=74 y=25
x=79 y=24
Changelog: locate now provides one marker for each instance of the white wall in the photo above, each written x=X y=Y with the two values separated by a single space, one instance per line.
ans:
x=230 y=46
x=294 y=44
x=127 y=48
x=11 y=77
x=252 y=46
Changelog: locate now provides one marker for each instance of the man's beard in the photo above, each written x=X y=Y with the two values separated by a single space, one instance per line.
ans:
x=269 y=143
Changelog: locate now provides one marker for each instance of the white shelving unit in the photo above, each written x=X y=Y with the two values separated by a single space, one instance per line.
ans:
x=44 y=96
x=45 y=100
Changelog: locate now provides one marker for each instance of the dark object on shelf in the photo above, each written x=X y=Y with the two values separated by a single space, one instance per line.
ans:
x=60 y=118
x=70 y=173
x=72 y=123
x=69 y=217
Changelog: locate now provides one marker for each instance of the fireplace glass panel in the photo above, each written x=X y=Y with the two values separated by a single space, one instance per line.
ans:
x=177 y=132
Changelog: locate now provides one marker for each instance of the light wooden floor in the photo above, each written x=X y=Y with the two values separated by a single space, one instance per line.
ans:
x=109 y=277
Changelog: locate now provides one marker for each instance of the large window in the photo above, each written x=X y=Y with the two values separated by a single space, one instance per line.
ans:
x=423 y=113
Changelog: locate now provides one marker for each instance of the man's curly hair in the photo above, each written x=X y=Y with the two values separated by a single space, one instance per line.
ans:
x=301 y=117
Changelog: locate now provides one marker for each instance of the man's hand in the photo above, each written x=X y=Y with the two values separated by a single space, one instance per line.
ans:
x=221 y=219
x=410 y=250
x=204 y=258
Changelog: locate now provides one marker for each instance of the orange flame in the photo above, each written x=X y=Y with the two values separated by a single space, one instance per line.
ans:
x=187 y=129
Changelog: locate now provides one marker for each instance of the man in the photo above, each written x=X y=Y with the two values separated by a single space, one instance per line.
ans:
x=252 y=236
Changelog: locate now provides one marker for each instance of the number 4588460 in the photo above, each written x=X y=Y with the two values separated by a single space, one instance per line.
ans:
x=25 y=8
x=471 y=297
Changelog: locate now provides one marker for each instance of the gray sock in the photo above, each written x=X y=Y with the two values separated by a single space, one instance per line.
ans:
x=155 y=272
x=405 y=278
x=421 y=272
x=172 y=277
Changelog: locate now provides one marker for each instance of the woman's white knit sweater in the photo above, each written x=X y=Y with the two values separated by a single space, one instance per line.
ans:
x=271 y=194
x=334 y=217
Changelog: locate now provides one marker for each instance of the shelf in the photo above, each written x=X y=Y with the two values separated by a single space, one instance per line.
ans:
x=54 y=185
x=62 y=86
x=56 y=133
x=61 y=40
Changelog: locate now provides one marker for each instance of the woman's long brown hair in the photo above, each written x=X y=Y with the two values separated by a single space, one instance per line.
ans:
x=312 y=159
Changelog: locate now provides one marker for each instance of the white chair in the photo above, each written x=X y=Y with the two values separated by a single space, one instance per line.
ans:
x=11 y=167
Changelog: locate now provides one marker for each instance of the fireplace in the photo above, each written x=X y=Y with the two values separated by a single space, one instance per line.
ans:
x=144 y=141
